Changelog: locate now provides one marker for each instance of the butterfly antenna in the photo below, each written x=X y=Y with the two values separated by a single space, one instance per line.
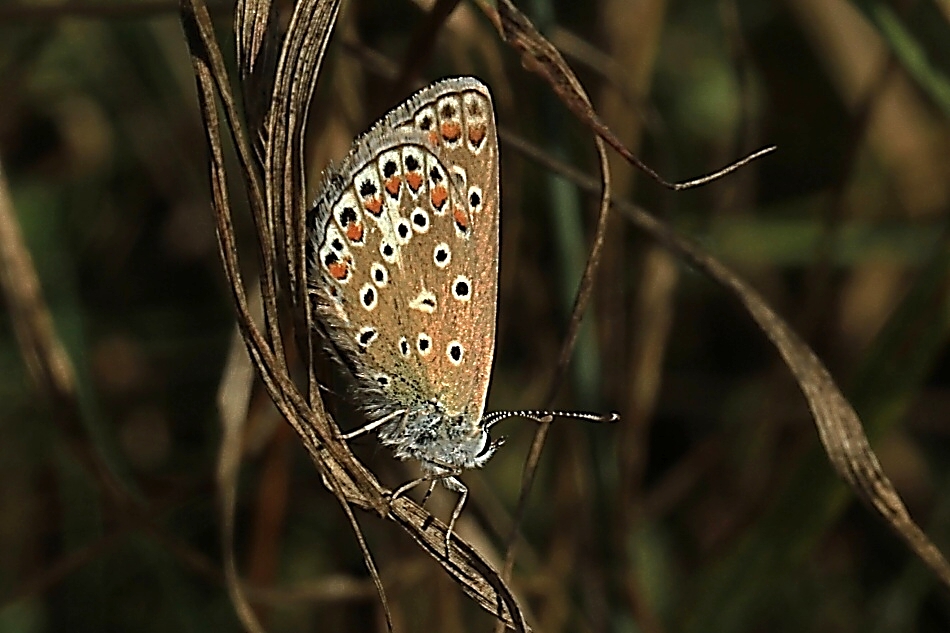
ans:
x=495 y=417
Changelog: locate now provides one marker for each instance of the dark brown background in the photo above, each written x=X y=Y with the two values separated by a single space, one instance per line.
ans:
x=709 y=508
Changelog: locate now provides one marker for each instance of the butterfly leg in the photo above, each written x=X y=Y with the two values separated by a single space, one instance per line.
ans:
x=403 y=489
x=406 y=487
x=455 y=485
x=412 y=484
x=429 y=492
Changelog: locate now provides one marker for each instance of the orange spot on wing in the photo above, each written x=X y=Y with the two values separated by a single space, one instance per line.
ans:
x=392 y=185
x=439 y=196
x=433 y=137
x=451 y=131
x=374 y=205
x=339 y=270
x=476 y=134
x=354 y=232
x=414 y=179
x=460 y=218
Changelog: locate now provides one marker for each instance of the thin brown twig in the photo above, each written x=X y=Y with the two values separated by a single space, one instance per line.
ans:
x=208 y=66
x=581 y=302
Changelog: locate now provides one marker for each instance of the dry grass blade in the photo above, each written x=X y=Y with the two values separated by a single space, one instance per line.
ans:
x=210 y=74
x=230 y=450
x=251 y=19
x=476 y=577
x=212 y=80
x=233 y=399
x=254 y=54
x=839 y=426
x=295 y=78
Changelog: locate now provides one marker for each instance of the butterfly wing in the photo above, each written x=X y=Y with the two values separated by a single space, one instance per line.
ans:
x=404 y=254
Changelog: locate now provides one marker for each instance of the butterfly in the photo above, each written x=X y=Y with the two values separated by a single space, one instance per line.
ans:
x=403 y=275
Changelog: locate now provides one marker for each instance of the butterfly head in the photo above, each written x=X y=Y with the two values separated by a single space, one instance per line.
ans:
x=443 y=441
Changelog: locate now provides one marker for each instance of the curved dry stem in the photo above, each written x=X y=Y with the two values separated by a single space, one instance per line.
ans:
x=839 y=427
x=465 y=565
x=581 y=301
x=540 y=56
x=367 y=554
x=310 y=425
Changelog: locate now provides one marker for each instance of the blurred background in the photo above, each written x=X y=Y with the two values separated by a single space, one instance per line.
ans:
x=710 y=507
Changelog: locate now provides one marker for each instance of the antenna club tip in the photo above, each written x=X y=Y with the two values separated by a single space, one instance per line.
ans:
x=612 y=417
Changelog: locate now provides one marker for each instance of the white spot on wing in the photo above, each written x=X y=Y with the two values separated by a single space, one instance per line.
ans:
x=424 y=302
